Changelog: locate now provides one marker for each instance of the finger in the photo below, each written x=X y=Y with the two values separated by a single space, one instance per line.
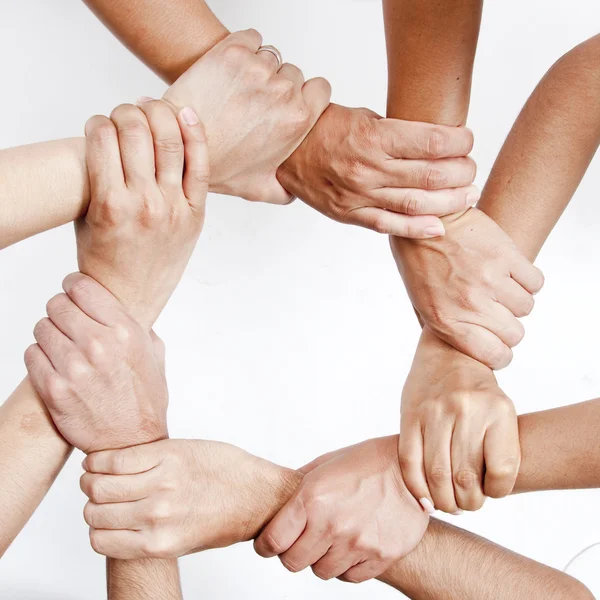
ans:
x=168 y=145
x=307 y=549
x=413 y=202
x=527 y=275
x=467 y=464
x=412 y=462
x=71 y=320
x=285 y=528
x=129 y=461
x=411 y=139
x=41 y=372
x=364 y=571
x=391 y=223
x=478 y=343
x=105 y=489
x=250 y=38
x=270 y=57
x=59 y=349
x=197 y=163
x=293 y=73
x=135 y=144
x=429 y=174
x=94 y=300
x=335 y=562
x=502 y=455
x=124 y=544
x=515 y=298
x=438 y=468
x=122 y=515
x=317 y=94
x=505 y=325
x=103 y=156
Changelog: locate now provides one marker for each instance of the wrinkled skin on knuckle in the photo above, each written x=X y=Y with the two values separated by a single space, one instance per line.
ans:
x=437 y=143
x=468 y=480
x=439 y=475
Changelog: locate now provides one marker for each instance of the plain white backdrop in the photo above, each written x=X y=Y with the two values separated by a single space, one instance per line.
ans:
x=291 y=335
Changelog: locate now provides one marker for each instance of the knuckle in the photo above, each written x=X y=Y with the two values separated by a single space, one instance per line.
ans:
x=58 y=389
x=271 y=544
x=169 y=145
x=439 y=476
x=76 y=367
x=434 y=178
x=283 y=88
x=57 y=305
x=89 y=514
x=437 y=143
x=291 y=565
x=233 y=54
x=95 y=541
x=467 y=480
x=379 y=225
x=159 y=512
x=101 y=131
x=322 y=573
x=414 y=203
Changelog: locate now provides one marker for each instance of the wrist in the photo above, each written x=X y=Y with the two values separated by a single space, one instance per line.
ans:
x=277 y=486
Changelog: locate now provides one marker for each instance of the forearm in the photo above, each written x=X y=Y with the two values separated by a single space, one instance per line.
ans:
x=560 y=448
x=548 y=150
x=431 y=49
x=32 y=453
x=452 y=564
x=43 y=186
x=148 y=579
x=167 y=36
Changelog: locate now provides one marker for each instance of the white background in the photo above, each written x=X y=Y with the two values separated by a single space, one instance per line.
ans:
x=291 y=335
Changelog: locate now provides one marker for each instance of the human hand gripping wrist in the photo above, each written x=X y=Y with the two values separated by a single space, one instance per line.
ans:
x=459 y=435
x=392 y=176
x=351 y=517
x=255 y=114
x=96 y=364
x=175 y=497
x=470 y=286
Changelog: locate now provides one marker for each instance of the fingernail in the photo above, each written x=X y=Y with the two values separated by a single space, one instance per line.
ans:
x=427 y=506
x=457 y=513
x=144 y=99
x=84 y=464
x=473 y=196
x=189 y=116
x=434 y=231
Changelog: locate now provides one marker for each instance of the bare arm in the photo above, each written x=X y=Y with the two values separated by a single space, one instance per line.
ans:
x=43 y=186
x=452 y=564
x=32 y=453
x=146 y=27
x=431 y=48
x=548 y=150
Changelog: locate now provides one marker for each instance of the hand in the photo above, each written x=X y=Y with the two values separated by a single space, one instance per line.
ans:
x=254 y=114
x=459 y=435
x=351 y=517
x=470 y=286
x=145 y=214
x=101 y=376
x=384 y=174
x=175 y=497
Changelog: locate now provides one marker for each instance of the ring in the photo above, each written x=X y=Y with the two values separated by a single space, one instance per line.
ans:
x=272 y=50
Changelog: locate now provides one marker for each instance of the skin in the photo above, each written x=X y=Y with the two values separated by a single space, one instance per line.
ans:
x=158 y=487
x=144 y=219
x=148 y=25
x=453 y=478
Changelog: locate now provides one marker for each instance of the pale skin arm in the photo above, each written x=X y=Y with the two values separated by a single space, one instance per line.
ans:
x=559 y=451
x=32 y=455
